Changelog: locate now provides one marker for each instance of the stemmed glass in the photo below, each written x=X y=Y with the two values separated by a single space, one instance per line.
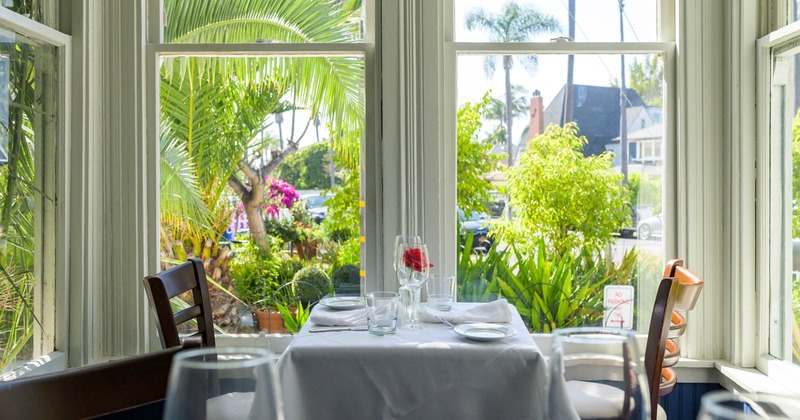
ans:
x=597 y=373
x=725 y=405
x=404 y=292
x=413 y=267
x=223 y=382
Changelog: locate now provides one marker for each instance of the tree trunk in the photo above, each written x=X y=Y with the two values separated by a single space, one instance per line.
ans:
x=252 y=195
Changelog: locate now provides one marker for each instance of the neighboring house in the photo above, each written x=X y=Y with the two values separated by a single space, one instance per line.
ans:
x=596 y=111
x=645 y=149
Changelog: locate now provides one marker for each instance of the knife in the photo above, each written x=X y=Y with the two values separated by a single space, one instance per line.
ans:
x=340 y=328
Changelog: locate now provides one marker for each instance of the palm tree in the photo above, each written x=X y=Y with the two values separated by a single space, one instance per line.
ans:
x=332 y=86
x=496 y=110
x=515 y=23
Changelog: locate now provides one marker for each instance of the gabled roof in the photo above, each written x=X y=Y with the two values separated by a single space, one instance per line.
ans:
x=596 y=111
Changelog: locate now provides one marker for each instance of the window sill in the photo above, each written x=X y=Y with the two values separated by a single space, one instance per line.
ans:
x=53 y=362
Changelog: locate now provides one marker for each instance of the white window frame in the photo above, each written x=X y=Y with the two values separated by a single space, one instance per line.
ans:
x=366 y=50
x=775 y=248
x=51 y=303
x=667 y=50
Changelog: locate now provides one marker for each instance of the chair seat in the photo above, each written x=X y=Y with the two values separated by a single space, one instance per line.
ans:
x=596 y=401
x=661 y=415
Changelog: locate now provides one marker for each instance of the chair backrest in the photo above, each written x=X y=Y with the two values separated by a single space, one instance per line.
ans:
x=90 y=391
x=187 y=277
x=689 y=287
x=657 y=337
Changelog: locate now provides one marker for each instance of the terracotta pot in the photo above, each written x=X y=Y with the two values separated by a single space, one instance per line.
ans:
x=269 y=320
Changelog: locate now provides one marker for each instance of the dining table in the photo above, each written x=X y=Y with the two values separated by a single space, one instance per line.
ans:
x=433 y=373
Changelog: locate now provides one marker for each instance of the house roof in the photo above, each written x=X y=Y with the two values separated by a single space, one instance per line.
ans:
x=596 y=111
x=652 y=132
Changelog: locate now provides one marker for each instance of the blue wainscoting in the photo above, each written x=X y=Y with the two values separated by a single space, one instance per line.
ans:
x=684 y=402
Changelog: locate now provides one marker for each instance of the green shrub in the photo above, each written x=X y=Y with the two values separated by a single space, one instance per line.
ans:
x=549 y=291
x=349 y=252
x=346 y=279
x=254 y=274
x=310 y=284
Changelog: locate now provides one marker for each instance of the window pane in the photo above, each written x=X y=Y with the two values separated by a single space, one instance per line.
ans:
x=786 y=136
x=242 y=21
x=42 y=11
x=247 y=180
x=28 y=134
x=542 y=20
x=569 y=203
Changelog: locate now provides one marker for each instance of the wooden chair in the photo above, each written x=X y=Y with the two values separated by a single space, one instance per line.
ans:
x=689 y=287
x=90 y=391
x=657 y=337
x=189 y=276
x=658 y=333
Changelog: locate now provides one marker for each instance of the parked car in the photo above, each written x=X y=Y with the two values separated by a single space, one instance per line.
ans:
x=315 y=203
x=651 y=226
x=629 y=231
x=478 y=224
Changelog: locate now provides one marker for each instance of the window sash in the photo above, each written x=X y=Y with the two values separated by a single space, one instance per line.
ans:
x=52 y=260
x=773 y=309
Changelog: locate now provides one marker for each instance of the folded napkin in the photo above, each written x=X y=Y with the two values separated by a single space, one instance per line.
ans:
x=332 y=318
x=494 y=311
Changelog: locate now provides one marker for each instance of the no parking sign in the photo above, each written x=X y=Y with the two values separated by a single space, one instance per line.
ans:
x=618 y=303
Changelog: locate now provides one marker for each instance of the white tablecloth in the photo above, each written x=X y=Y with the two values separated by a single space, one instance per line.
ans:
x=428 y=374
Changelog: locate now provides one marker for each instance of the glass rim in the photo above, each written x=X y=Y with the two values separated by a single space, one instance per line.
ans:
x=187 y=359
x=710 y=404
x=383 y=294
x=599 y=332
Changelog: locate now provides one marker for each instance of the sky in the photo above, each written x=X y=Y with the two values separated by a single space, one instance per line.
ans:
x=596 y=20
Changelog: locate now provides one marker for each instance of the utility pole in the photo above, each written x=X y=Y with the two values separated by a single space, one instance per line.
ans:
x=279 y=120
x=623 y=102
x=569 y=94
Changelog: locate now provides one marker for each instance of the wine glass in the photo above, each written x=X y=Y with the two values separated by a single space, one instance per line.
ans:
x=719 y=405
x=403 y=239
x=223 y=382
x=597 y=373
x=413 y=267
x=405 y=293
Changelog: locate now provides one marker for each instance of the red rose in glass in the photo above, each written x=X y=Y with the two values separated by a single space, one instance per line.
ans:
x=415 y=259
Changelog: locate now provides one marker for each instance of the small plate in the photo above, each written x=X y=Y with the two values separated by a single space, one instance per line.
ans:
x=485 y=332
x=343 y=303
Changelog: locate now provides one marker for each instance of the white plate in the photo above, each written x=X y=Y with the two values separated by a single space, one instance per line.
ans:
x=343 y=303
x=485 y=332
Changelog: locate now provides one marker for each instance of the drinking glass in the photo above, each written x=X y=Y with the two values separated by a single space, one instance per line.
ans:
x=403 y=239
x=597 y=373
x=382 y=312
x=413 y=267
x=719 y=405
x=223 y=382
x=441 y=290
x=405 y=293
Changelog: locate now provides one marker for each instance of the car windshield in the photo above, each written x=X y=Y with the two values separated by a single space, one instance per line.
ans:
x=474 y=217
x=316 y=201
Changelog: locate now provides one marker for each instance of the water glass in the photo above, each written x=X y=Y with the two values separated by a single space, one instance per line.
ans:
x=441 y=290
x=223 y=383
x=725 y=405
x=382 y=309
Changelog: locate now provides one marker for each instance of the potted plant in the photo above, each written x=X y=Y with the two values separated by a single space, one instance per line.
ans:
x=255 y=277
